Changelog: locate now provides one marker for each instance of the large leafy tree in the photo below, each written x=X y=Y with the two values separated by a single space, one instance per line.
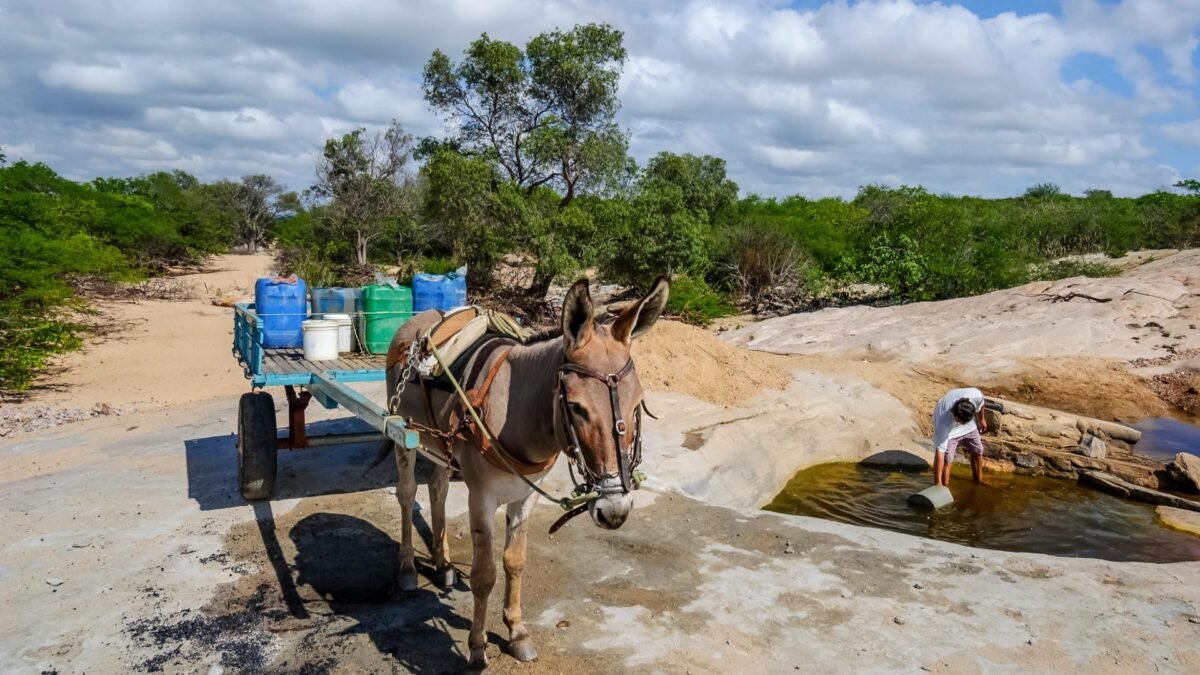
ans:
x=366 y=179
x=544 y=115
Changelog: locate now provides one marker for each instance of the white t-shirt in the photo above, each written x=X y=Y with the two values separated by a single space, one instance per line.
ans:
x=945 y=426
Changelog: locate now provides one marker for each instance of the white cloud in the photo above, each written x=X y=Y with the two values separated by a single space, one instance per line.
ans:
x=246 y=124
x=94 y=78
x=1187 y=133
x=816 y=100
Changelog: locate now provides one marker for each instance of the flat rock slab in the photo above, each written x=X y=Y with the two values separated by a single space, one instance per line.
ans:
x=1184 y=521
x=1122 y=488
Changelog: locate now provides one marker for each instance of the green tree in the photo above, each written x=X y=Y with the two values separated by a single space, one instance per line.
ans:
x=545 y=115
x=1189 y=184
x=705 y=189
x=1042 y=191
x=362 y=176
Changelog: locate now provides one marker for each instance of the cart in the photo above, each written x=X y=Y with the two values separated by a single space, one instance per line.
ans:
x=258 y=440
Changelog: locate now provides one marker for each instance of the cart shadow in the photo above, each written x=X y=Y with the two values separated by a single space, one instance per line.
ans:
x=212 y=467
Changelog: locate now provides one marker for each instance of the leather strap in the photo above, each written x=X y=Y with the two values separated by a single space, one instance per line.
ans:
x=489 y=450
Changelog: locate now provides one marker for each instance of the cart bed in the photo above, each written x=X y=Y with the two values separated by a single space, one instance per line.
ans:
x=292 y=361
x=266 y=367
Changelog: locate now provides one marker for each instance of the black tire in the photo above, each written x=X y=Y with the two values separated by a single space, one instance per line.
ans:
x=256 y=446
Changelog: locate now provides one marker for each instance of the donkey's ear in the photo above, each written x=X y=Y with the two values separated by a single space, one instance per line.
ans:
x=577 y=316
x=637 y=319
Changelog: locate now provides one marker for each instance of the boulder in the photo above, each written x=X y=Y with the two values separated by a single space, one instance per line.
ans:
x=1185 y=469
x=1092 y=446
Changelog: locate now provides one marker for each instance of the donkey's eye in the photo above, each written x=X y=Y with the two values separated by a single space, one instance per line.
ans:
x=577 y=409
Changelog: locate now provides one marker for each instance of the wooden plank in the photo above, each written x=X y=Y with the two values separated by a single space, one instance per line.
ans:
x=291 y=361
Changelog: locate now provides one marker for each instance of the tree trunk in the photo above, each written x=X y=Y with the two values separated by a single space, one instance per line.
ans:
x=540 y=286
x=360 y=247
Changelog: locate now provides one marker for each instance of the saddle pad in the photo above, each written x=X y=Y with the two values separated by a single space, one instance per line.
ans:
x=453 y=343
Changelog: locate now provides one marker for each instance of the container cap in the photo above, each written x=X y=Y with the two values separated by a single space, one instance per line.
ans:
x=337 y=317
x=318 y=323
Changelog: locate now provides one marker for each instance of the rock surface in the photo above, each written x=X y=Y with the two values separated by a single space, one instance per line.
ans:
x=306 y=582
x=1180 y=519
x=1185 y=468
x=1120 y=318
x=1076 y=344
x=1093 y=447
x=1121 y=488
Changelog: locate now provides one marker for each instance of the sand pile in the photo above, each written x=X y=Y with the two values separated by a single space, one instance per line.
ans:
x=676 y=357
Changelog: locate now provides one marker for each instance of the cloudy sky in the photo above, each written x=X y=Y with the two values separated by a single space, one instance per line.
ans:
x=984 y=97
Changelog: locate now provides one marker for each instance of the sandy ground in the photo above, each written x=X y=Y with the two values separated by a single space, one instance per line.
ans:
x=126 y=547
x=182 y=352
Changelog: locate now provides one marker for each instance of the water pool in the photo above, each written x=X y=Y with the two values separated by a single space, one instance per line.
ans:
x=1009 y=513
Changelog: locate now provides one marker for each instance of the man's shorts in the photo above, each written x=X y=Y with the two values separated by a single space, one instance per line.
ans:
x=971 y=442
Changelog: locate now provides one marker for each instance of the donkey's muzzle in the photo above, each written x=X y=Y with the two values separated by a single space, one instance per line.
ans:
x=611 y=510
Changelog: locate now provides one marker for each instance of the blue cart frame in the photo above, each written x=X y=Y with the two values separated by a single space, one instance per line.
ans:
x=258 y=440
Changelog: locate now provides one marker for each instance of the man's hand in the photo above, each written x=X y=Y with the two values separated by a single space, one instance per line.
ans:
x=983 y=427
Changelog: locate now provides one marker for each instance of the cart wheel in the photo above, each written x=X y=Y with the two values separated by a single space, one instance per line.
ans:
x=256 y=445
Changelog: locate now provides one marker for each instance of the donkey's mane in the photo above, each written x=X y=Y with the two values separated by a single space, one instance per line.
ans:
x=544 y=335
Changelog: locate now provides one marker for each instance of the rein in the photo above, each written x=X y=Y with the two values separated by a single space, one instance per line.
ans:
x=589 y=489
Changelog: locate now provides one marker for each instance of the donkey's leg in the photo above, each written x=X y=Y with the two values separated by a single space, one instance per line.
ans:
x=439 y=486
x=520 y=643
x=406 y=494
x=483 y=570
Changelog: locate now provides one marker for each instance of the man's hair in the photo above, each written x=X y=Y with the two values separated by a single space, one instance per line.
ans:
x=963 y=410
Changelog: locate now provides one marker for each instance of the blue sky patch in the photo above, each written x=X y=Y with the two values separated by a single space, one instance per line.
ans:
x=1099 y=69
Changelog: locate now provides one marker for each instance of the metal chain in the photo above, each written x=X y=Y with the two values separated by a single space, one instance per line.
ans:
x=405 y=374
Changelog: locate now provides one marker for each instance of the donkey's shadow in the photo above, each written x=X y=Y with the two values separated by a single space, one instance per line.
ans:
x=353 y=565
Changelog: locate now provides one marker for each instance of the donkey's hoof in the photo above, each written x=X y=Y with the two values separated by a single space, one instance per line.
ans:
x=447 y=578
x=407 y=581
x=523 y=651
x=478 y=662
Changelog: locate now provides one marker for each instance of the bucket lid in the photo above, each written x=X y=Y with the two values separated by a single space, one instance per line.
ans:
x=337 y=317
x=317 y=324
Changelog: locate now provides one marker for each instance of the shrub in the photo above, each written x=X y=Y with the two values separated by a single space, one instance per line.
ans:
x=1063 y=269
x=694 y=301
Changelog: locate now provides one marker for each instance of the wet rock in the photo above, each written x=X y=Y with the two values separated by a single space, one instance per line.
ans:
x=1027 y=460
x=1093 y=447
x=1179 y=519
x=1123 y=488
x=1185 y=468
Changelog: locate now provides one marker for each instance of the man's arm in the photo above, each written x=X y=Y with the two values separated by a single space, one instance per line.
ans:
x=982 y=421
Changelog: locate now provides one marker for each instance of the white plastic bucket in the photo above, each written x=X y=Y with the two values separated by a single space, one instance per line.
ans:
x=345 y=333
x=320 y=340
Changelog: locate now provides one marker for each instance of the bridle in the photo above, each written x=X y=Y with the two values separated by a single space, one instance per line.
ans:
x=629 y=455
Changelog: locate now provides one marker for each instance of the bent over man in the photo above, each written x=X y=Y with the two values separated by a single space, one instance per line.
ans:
x=957 y=422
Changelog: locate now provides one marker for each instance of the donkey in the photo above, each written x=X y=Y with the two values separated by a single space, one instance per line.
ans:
x=568 y=391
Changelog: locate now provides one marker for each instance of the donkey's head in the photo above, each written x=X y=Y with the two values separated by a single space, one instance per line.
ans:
x=600 y=396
